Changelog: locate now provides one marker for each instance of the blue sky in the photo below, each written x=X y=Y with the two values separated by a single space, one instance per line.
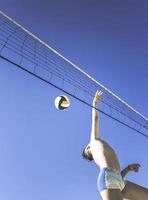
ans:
x=40 y=147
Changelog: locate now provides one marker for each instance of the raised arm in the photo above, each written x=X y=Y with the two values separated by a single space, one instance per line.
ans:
x=95 y=117
x=132 y=167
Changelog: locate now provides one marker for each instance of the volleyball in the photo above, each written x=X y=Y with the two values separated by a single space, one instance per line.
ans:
x=62 y=102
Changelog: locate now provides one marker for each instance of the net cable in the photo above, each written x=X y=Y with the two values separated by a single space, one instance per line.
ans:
x=26 y=51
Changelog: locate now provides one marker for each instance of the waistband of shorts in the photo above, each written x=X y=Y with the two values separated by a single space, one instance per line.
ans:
x=109 y=169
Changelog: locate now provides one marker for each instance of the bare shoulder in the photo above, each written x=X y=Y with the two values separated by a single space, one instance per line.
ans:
x=98 y=143
x=95 y=141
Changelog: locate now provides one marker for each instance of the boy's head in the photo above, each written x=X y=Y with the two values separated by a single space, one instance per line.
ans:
x=87 y=153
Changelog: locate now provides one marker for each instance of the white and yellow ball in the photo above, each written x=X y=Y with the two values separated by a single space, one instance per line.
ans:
x=62 y=102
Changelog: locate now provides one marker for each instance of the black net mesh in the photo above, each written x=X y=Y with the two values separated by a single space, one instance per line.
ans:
x=24 y=50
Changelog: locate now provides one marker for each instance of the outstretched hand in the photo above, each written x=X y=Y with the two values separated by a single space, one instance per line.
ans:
x=134 y=167
x=97 y=98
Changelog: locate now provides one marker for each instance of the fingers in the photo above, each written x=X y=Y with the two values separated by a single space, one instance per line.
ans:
x=99 y=93
x=134 y=167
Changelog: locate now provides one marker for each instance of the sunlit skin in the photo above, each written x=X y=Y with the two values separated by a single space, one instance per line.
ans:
x=104 y=156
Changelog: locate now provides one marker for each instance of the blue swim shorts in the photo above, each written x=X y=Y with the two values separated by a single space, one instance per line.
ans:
x=110 y=179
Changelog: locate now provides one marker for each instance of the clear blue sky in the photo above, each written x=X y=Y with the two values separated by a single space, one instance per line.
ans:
x=40 y=147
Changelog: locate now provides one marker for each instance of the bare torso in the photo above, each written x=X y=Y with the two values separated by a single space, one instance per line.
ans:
x=104 y=155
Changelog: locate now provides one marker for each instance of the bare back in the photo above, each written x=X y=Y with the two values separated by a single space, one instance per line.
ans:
x=104 y=155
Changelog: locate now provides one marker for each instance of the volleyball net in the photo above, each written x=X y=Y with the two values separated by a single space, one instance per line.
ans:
x=21 y=48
